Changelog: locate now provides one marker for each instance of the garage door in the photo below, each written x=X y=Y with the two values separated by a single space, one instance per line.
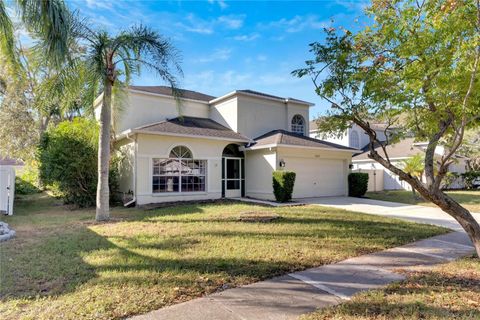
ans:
x=317 y=177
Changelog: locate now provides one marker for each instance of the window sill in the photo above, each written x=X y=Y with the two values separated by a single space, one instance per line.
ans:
x=167 y=194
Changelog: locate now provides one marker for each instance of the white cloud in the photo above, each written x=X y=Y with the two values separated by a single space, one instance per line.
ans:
x=197 y=25
x=247 y=37
x=100 y=4
x=221 y=3
x=262 y=57
x=231 y=22
x=217 y=55
x=298 y=23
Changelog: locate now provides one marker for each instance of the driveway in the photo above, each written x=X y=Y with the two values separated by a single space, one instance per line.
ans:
x=421 y=214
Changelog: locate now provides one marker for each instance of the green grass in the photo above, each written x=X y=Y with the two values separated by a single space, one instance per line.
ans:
x=449 y=291
x=470 y=199
x=64 y=265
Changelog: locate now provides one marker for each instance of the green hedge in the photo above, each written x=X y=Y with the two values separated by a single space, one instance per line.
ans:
x=283 y=182
x=357 y=184
x=68 y=162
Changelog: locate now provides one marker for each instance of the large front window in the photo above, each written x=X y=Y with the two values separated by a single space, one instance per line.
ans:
x=179 y=173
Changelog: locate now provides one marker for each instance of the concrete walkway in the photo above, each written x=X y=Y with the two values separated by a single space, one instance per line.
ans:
x=420 y=214
x=289 y=296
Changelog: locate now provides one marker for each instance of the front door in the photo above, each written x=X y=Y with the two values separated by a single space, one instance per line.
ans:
x=233 y=178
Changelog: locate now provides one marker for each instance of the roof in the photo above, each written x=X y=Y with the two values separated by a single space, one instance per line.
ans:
x=286 y=138
x=6 y=161
x=374 y=126
x=403 y=149
x=192 y=126
x=257 y=93
x=165 y=90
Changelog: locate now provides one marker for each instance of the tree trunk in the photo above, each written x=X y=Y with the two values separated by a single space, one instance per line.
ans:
x=462 y=215
x=103 y=192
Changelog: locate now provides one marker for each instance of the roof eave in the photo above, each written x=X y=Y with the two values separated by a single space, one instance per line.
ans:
x=190 y=136
x=276 y=145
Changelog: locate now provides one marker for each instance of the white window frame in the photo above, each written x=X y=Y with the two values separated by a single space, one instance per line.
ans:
x=179 y=175
x=295 y=128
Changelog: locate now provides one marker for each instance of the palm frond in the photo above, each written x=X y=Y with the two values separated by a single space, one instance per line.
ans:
x=51 y=22
x=7 y=38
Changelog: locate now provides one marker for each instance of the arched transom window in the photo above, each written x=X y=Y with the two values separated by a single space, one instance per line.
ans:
x=298 y=124
x=179 y=172
x=181 y=152
x=354 y=139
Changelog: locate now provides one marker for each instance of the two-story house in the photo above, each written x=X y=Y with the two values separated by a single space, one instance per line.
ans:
x=379 y=177
x=203 y=147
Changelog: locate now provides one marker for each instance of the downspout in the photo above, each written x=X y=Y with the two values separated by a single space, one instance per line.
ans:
x=134 y=171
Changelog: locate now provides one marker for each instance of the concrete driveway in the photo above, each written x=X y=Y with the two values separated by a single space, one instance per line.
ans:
x=421 y=214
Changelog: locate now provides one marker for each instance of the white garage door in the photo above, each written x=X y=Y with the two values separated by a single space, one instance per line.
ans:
x=317 y=177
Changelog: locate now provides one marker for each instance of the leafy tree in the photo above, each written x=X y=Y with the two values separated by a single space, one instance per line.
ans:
x=415 y=67
x=414 y=166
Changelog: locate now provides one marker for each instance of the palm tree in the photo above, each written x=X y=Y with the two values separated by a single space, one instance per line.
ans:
x=47 y=20
x=414 y=166
x=108 y=65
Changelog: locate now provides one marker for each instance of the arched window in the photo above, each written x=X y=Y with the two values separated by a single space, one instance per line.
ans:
x=179 y=172
x=354 y=139
x=181 y=152
x=298 y=124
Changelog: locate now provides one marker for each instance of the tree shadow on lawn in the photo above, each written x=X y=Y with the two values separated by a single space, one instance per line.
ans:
x=55 y=265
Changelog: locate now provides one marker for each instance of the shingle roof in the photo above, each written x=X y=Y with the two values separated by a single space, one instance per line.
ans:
x=165 y=90
x=403 y=148
x=271 y=96
x=193 y=126
x=6 y=161
x=374 y=126
x=283 y=137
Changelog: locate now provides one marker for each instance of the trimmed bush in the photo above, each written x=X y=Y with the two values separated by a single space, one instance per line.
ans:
x=283 y=182
x=357 y=184
x=471 y=179
x=68 y=161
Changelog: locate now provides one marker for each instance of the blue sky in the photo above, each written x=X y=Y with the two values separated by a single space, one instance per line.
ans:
x=229 y=45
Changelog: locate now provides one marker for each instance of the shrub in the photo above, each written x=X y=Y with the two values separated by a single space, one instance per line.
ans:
x=283 y=182
x=357 y=184
x=471 y=179
x=68 y=161
x=27 y=181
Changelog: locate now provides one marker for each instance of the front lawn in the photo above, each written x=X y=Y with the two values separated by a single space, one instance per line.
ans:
x=64 y=265
x=470 y=199
x=449 y=291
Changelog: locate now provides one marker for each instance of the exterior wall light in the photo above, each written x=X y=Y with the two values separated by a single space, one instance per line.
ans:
x=282 y=163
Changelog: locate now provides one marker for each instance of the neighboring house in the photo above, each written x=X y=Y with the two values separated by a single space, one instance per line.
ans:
x=207 y=148
x=379 y=177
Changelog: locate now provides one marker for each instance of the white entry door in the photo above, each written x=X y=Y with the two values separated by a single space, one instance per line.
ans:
x=233 y=177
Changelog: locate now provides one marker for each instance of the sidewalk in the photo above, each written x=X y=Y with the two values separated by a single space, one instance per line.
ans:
x=292 y=295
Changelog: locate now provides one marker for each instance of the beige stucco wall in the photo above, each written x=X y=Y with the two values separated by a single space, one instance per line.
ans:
x=143 y=108
x=126 y=150
x=226 y=113
x=156 y=146
x=259 y=165
x=257 y=116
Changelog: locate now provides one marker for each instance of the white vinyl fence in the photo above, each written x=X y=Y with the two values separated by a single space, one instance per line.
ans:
x=7 y=189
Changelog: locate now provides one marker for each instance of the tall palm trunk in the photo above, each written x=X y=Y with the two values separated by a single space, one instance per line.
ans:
x=103 y=192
